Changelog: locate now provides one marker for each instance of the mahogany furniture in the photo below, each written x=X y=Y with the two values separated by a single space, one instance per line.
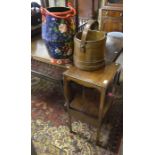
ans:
x=45 y=3
x=111 y=16
x=89 y=103
x=114 y=3
x=110 y=19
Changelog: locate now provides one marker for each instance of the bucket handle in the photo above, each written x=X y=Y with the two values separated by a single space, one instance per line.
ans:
x=85 y=33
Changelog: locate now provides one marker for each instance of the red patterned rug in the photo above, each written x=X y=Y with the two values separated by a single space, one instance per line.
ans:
x=50 y=132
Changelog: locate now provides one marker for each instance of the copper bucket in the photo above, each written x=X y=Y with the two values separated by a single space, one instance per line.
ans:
x=89 y=48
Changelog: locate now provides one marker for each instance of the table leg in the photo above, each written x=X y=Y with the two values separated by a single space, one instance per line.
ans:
x=67 y=97
x=102 y=99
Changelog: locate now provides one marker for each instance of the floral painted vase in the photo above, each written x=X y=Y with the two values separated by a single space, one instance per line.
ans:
x=58 y=30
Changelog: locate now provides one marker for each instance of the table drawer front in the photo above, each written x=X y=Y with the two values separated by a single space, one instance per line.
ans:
x=112 y=13
x=111 y=24
x=48 y=70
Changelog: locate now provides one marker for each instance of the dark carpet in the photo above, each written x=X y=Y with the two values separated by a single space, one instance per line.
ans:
x=50 y=132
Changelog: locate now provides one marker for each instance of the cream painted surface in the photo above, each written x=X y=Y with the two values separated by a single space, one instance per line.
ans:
x=58 y=3
x=102 y=2
x=38 y=49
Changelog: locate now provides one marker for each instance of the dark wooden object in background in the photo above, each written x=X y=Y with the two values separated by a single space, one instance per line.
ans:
x=110 y=19
x=85 y=11
x=35 y=30
x=93 y=15
x=79 y=106
x=117 y=3
x=76 y=4
x=88 y=8
x=45 y=3
x=111 y=16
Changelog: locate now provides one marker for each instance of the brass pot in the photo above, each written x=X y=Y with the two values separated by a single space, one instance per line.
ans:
x=89 y=47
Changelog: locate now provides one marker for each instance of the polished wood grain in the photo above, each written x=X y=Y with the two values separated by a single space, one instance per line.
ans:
x=88 y=103
x=99 y=78
x=111 y=19
x=87 y=8
x=118 y=3
x=81 y=104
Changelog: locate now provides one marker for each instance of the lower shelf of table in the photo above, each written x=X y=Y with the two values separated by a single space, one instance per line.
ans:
x=87 y=108
x=84 y=118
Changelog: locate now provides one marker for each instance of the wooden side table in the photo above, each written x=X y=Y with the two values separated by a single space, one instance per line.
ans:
x=79 y=104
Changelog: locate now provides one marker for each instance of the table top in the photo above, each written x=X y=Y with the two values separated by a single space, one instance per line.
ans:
x=100 y=77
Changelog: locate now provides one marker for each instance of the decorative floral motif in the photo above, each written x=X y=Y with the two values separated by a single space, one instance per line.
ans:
x=58 y=36
x=46 y=135
x=53 y=19
x=62 y=28
x=58 y=51
x=59 y=62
